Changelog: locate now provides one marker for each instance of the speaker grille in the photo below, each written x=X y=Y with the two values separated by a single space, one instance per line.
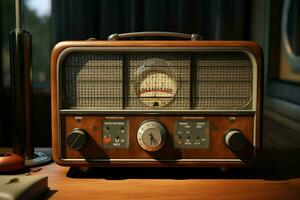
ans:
x=224 y=81
x=204 y=80
x=93 y=81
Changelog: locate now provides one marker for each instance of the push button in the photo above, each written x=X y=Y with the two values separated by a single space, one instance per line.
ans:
x=107 y=140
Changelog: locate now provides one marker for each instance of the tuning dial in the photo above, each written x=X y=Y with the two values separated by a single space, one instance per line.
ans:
x=235 y=140
x=151 y=136
x=76 y=139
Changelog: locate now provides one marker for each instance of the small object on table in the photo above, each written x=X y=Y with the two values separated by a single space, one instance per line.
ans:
x=22 y=187
x=10 y=162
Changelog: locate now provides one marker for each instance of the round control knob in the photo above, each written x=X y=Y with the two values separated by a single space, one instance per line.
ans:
x=235 y=140
x=151 y=136
x=76 y=139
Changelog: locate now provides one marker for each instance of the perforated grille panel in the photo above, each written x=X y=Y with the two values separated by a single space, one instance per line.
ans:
x=93 y=81
x=157 y=81
x=224 y=81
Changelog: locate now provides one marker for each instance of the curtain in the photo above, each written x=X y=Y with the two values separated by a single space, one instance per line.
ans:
x=213 y=19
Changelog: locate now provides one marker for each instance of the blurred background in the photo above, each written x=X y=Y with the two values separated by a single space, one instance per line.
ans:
x=51 y=21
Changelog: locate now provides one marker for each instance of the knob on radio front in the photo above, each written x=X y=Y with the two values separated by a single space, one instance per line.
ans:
x=151 y=135
x=76 y=139
x=235 y=140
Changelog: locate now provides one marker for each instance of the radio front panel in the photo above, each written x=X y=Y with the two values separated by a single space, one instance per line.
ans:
x=189 y=137
x=135 y=103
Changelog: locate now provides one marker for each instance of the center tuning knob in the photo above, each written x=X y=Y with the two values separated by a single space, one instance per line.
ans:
x=151 y=136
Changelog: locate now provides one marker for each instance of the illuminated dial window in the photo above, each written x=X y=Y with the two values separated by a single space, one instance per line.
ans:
x=157 y=89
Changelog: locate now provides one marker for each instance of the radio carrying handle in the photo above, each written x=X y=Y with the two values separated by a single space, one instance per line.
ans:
x=117 y=36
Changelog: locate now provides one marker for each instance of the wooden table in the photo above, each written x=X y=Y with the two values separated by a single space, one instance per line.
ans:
x=157 y=183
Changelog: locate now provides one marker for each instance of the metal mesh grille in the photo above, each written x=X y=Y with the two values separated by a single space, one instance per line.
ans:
x=224 y=81
x=176 y=65
x=93 y=80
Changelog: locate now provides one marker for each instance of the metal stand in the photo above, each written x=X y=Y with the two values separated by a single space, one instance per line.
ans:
x=40 y=157
x=20 y=61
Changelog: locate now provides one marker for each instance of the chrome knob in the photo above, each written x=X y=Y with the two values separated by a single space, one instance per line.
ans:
x=151 y=135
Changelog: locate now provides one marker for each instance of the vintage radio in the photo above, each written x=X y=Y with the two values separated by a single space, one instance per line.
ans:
x=156 y=103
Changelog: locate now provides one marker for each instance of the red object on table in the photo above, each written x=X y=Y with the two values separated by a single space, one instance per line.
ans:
x=10 y=162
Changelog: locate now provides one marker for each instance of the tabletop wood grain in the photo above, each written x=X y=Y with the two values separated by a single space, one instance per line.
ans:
x=175 y=183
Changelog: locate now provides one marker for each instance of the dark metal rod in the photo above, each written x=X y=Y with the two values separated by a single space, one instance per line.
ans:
x=193 y=78
x=20 y=62
x=124 y=81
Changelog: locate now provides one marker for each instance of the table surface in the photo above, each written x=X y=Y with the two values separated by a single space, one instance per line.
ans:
x=175 y=183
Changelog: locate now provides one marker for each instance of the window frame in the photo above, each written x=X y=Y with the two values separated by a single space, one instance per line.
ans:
x=282 y=98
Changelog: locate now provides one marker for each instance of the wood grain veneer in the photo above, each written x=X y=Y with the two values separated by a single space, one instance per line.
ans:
x=94 y=150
